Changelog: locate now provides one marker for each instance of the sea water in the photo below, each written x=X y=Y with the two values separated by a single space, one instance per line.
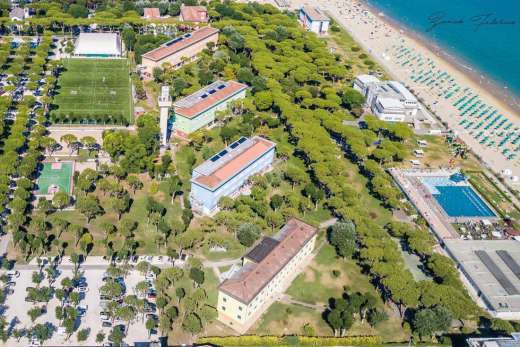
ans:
x=485 y=34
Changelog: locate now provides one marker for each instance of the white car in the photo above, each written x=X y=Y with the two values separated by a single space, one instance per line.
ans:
x=82 y=289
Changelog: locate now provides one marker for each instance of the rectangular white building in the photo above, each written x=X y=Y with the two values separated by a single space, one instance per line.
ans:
x=313 y=19
x=225 y=173
x=267 y=270
x=98 y=45
x=389 y=100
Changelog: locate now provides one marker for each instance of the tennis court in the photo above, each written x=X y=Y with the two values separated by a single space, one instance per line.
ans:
x=55 y=177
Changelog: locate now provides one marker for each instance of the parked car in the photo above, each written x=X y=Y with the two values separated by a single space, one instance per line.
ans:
x=106 y=324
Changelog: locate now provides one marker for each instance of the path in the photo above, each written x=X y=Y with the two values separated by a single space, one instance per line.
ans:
x=221 y=263
x=287 y=299
x=328 y=223
x=4 y=243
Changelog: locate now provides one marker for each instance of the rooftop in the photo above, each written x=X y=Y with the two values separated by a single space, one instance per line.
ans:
x=245 y=284
x=98 y=43
x=262 y=249
x=230 y=161
x=180 y=43
x=151 y=12
x=207 y=97
x=194 y=13
x=493 y=267
x=365 y=79
x=17 y=12
x=315 y=13
x=387 y=102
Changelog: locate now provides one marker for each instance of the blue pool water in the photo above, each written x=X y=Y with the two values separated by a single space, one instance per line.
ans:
x=456 y=197
x=462 y=201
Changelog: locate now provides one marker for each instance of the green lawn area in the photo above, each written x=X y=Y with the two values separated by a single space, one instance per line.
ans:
x=145 y=235
x=493 y=195
x=93 y=91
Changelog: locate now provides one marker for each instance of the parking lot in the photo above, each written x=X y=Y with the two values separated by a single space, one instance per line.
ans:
x=92 y=276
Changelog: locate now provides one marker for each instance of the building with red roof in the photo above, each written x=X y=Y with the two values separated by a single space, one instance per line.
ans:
x=267 y=270
x=226 y=173
x=199 y=109
x=151 y=13
x=181 y=50
x=195 y=14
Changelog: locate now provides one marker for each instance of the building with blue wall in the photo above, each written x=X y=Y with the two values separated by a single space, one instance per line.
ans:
x=225 y=173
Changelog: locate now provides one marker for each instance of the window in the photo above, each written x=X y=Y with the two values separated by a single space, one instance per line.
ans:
x=223 y=308
x=238 y=316
x=224 y=299
x=240 y=308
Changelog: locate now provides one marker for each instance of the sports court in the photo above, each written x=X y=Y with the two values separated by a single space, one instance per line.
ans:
x=93 y=91
x=55 y=177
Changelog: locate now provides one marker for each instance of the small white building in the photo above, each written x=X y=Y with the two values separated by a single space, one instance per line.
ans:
x=98 y=45
x=315 y=20
x=388 y=100
x=19 y=14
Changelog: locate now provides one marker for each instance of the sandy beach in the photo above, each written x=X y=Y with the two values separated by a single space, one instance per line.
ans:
x=483 y=120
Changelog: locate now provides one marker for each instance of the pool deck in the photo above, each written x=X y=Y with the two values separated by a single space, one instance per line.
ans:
x=426 y=204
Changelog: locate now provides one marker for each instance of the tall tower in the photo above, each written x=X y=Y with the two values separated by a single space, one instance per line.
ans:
x=165 y=102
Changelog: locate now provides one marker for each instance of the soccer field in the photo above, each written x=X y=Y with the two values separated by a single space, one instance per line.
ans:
x=93 y=91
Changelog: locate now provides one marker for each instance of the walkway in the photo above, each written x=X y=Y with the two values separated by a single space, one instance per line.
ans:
x=287 y=299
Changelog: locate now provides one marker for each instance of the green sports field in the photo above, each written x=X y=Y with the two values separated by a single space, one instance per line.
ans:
x=93 y=91
x=56 y=176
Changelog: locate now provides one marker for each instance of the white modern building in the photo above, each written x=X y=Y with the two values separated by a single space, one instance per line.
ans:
x=314 y=19
x=267 y=270
x=225 y=173
x=165 y=102
x=388 y=100
x=98 y=45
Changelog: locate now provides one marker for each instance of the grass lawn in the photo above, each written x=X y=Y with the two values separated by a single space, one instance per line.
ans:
x=494 y=196
x=93 y=91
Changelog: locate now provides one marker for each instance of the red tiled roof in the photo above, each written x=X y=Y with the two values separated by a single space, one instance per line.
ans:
x=232 y=167
x=194 y=14
x=250 y=281
x=165 y=51
x=151 y=12
x=230 y=89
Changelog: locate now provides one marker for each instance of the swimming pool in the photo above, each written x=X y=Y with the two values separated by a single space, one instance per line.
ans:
x=457 y=199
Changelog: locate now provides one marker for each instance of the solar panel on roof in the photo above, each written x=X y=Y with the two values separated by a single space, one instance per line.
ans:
x=510 y=262
x=204 y=96
x=215 y=158
x=221 y=86
x=234 y=145
x=223 y=153
x=212 y=91
x=497 y=273
x=242 y=139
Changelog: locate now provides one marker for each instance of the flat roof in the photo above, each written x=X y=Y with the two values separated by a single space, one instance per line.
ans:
x=492 y=266
x=367 y=79
x=387 y=102
x=401 y=89
x=194 y=13
x=224 y=165
x=207 y=97
x=98 y=43
x=246 y=283
x=315 y=13
x=180 y=43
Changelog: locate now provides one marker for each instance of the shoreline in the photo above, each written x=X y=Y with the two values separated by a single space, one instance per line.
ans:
x=488 y=84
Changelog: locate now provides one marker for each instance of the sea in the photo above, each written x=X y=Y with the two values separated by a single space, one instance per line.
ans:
x=482 y=35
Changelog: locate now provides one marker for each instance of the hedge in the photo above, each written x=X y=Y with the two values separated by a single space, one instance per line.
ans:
x=254 y=340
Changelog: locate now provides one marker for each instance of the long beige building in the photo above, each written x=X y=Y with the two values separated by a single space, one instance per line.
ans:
x=181 y=50
x=267 y=270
